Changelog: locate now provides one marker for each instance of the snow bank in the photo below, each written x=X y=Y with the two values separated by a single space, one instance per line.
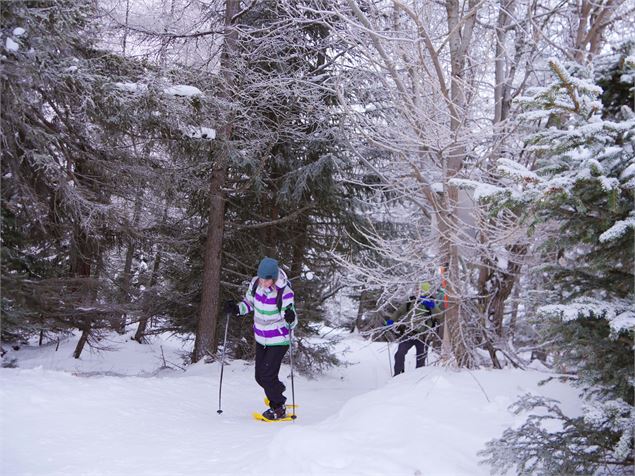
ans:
x=84 y=419
x=121 y=356
x=430 y=421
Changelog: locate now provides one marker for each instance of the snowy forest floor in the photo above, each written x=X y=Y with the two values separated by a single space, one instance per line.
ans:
x=116 y=413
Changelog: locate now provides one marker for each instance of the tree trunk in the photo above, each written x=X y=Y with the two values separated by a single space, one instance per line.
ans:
x=501 y=95
x=454 y=345
x=143 y=322
x=120 y=325
x=461 y=27
x=511 y=329
x=492 y=353
x=367 y=301
x=81 y=268
x=124 y=41
x=507 y=282
x=593 y=19
x=85 y=328
x=205 y=342
x=82 y=342
x=146 y=311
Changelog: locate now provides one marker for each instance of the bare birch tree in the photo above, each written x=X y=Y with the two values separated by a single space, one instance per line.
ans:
x=430 y=115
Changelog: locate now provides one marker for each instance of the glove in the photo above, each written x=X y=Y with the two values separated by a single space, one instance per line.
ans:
x=289 y=316
x=429 y=303
x=231 y=307
x=389 y=322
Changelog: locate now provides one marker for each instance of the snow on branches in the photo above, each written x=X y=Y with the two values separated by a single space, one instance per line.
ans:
x=618 y=313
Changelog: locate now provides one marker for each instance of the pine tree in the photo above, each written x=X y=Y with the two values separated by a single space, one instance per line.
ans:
x=581 y=197
x=295 y=185
x=284 y=188
x=56 y=197
x=85 y=134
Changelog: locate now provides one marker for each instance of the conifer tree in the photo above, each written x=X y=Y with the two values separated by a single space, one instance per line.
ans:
x=285 y=196
x=580 y=196
x=85 y=133
x=57 y=176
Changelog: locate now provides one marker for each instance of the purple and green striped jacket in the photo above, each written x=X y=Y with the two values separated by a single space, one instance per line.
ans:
x=270 y=328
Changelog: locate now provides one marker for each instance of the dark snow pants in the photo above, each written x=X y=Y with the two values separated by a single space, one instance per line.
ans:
x=402 y=350
x=268 y=360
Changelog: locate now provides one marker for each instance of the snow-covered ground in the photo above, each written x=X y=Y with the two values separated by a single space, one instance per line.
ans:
x=115 y=413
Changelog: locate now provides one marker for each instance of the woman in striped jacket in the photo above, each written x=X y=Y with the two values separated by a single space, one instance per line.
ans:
x=270 y=298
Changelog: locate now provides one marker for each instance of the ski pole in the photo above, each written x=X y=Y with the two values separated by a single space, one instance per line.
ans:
x=389 y=359
x=222 y=365
x=291 y=362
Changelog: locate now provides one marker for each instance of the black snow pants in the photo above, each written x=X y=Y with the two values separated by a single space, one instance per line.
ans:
x=400 y=356
x=268 y=360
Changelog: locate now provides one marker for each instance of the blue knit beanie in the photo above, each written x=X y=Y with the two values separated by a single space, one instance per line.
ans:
x=268 y=269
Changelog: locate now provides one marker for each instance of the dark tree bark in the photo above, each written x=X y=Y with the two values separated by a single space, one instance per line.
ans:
x=205 y=342
x=85 y=328
x=143 y=322
x=81 y=268
x=367 y=302
x=120 y=325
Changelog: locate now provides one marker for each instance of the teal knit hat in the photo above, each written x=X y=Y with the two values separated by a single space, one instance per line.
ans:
x=268 y=269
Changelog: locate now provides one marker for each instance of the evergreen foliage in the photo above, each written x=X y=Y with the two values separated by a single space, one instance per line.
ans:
x=285 y=196
x=58 y=178
x=106 y=166
x=86 y=134
x=581 y=194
